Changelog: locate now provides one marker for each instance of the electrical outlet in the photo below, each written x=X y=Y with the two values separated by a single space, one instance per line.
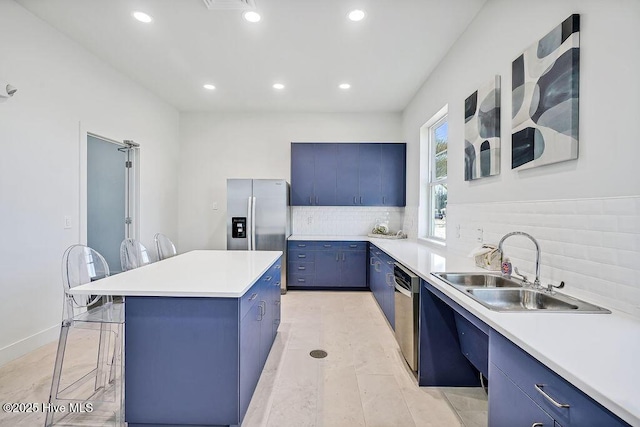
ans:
x=309 y=220
x=215 y=206
x=67 y=222
x=479 y=235
x=457 y=231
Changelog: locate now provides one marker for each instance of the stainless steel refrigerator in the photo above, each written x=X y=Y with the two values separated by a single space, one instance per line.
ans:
x=259 y=217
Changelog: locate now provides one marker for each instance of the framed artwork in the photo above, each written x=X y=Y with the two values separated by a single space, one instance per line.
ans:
x=482 y=132
x=545 y=95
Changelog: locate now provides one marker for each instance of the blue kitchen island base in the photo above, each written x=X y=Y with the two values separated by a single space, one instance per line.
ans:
x=196 y=361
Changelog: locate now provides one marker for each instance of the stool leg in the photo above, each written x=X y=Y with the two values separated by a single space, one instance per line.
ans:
x=103 y=347
x=57 y=370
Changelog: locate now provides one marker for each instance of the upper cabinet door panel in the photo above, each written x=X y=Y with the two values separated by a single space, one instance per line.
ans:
x=394 y=174
x=349 y=174
x=348 y=193
x=370 y=174
x=302 y=174
x=325 y=177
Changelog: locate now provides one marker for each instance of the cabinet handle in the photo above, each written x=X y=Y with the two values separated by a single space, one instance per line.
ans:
x=310 y=202
x=301 y=280
x=390 y=279
x=384 y=200
x=268 y=278
x=252 y=297
x=537 y=425
x=549 y=398
x=390 y=262
x=276 y=284
x=302 y=268
x=355 y=202
x=337 y=256
x=262 y=309
x=302 y=256
x=360 y=199
x=344 y=256
x=302 y=245
x=278 y=267
x=327 y=245
x=371 y=260
x=276 y=302
x=376 y=267
x=317 y=200
x=353 y=246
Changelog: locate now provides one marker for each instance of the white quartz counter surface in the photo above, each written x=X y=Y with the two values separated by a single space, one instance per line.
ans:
x=222 y=274
x=598 y=353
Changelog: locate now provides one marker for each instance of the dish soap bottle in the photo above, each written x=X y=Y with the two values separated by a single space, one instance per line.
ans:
x=506 y=267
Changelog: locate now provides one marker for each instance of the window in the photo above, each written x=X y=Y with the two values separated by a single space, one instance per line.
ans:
x=434 y=136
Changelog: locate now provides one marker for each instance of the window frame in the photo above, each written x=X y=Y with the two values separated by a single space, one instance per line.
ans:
x=429 y=181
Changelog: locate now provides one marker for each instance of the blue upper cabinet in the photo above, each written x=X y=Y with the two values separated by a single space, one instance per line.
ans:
x=350 y=174
x=394 y=172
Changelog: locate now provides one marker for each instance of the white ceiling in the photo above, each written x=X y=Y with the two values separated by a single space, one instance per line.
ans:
x=309 y=45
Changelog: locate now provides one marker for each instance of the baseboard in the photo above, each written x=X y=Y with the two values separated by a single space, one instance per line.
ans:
x=26 y=345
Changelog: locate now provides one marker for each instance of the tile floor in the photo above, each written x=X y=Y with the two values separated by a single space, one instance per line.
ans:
x=362 y=382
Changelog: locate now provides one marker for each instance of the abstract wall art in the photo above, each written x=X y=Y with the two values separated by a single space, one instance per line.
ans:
x=545 y=95
x=482 y=132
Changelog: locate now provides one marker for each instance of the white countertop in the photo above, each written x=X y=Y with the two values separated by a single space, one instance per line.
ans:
x=222 y=274
x=598 y=353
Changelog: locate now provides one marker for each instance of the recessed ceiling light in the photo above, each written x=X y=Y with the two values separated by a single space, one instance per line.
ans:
x=209 y=86
x=356 y=15
x=344 y=86
x=142 y=17
x=278 y=86
x=251 y=16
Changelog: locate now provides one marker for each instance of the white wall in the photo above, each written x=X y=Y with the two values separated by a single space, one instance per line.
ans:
x=214 y=147
x=61 y=89
x=609 y=66
x=583 y=211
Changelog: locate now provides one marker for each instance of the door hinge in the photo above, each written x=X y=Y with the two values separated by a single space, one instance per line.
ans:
x=128 y=220
x=128 y=164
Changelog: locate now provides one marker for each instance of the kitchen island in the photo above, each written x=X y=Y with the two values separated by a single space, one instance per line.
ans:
x=198 y=329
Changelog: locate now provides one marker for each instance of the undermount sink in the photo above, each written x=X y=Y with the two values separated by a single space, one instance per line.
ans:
x=501 y=294
x=478 y=280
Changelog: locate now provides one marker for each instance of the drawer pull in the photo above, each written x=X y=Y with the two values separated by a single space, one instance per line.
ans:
x=537 y=425
x=302 y=268
x=390 y=262
x=278 y=267
x=372 y=261
x=549 y=398
x=302 y=246
x=353 y=246
x=302 y=256
x=252 y=297
x=327 y=246
x=301 y=280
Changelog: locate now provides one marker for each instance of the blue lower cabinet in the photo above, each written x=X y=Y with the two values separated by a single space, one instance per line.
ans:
x=197 y=361
x=544 y=387
x=509 y=406
x=381 y=282
x=327 y=264
x=474 y=344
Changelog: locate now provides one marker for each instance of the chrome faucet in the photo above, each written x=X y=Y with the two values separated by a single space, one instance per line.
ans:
x=536 y=282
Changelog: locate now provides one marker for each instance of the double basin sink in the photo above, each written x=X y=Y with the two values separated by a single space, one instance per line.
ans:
x=501 y=294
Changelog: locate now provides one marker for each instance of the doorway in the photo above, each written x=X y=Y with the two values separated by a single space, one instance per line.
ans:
x=110 y=194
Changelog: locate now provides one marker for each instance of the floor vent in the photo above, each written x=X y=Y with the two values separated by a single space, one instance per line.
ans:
x=230 y=4
x=318 y=354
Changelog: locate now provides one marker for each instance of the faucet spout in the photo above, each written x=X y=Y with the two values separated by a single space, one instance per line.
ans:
x=536 y=283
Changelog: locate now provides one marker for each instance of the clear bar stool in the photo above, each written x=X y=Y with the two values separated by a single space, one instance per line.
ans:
x=98 y=392
x=133 y=254
x=164 y=246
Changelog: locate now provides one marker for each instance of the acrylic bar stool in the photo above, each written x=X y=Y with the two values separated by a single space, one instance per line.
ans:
x=164 y=246
x=100 y=391
x=133 y=254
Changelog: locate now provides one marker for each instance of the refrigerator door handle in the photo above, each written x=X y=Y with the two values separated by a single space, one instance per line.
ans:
x=250 y=221
x=253 y=223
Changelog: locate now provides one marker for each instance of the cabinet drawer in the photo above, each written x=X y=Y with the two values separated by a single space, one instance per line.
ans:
x=301 y=245
x=536 y=380
x=327 y=245
x=302 y=256
x=301 y=280
x=250 y=298
x=353 y=246
x=301 y=268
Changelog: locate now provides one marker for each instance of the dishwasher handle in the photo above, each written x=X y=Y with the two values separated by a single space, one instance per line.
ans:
x=402 y=290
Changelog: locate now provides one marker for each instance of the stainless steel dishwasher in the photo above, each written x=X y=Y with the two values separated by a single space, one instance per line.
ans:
x=407 y=311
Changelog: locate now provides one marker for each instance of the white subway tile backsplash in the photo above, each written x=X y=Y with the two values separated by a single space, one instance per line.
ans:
x=338 y=220
x=591 y=244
